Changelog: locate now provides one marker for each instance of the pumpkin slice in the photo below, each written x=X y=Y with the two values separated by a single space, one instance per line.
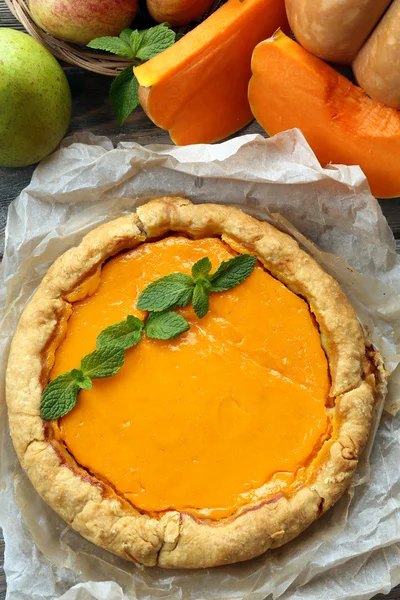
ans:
x=197 y=89
x=292 y=88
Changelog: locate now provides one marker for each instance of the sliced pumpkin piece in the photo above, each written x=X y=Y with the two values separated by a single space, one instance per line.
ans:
x=292 y=88
x=197 y=88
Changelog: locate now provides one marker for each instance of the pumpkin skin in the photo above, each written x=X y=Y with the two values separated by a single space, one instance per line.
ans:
x=377 y=65
x=177 y=12
x=197 y=88
x=340 y=122
x=334 y=30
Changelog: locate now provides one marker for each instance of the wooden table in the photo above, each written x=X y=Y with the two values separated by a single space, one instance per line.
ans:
x=92 y=112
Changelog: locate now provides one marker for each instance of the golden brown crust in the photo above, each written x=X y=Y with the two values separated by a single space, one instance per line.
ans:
x=178 y=540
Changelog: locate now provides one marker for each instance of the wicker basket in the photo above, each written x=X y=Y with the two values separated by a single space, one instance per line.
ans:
x=75 y=54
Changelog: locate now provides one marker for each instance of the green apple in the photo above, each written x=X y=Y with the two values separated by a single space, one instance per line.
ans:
x=35 y=100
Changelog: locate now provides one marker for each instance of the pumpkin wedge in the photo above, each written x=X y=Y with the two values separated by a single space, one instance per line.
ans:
x=197 y=88
x=292 y=88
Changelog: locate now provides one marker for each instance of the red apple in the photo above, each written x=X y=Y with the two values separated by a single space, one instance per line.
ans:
x=83 y=20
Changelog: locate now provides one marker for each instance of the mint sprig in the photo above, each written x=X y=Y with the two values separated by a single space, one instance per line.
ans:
x=159 y=297
x=105 y=362
x=168 y=292
x=138 y=46
x=232 y=272
x=60 y=396
x=201 y=268
x=134 y=40
x=116 y=45
x=154 y=40
x=179 y=289
x=124 y=94
x=201 y=298
x=122 y=335
x=165 y=325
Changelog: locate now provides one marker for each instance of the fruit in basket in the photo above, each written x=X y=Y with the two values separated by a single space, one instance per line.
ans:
x=81 y=21
x=35 y=100
x=178 y=12
x=377 y=65
x=197 y=88
x=334 y=30
x=340 y=122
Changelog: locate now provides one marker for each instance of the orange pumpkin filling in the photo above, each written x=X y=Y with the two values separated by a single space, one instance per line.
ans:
x=233 y=409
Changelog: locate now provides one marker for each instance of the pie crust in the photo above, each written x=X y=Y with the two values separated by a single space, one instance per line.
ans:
x=178 y=539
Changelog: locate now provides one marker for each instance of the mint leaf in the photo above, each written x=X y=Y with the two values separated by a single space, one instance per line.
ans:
x=134 y=322
x=232 y=272
x=124 y=94
x=84 y=382
x=201 y=302
x=60 y=396
x=170 y=291
x=125 y=35
x=165 y=325
x=135 y=41
x=102 y=363
x=155 y=40
x=112 y=44
x=201 y=268
x=122 y=335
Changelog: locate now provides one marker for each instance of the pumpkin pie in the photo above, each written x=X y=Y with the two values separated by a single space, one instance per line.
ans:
x=218 y=445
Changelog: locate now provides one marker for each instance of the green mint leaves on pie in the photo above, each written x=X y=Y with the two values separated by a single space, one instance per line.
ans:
x=105 y=362
x=201 y=297
x=165 y=325
x=172 y=291
x=201 y=268
x=82 y=380
x=60 y=396
x=138 y=46
x=232 y=272
x=122 y=335
x=179 y=289
x=168 y=292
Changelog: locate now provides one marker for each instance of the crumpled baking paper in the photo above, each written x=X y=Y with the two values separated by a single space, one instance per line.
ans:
x=352 y=552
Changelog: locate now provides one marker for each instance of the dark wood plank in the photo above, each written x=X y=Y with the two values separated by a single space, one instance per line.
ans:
x=92 y=112
x=7 y=19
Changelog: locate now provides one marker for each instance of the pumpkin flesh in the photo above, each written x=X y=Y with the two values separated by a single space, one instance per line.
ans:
x=291 y=88
x=209 y=421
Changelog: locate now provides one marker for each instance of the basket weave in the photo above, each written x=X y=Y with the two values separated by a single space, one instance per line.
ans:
x=75 y=54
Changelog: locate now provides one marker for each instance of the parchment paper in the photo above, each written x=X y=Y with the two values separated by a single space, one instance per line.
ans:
x=353 y=552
